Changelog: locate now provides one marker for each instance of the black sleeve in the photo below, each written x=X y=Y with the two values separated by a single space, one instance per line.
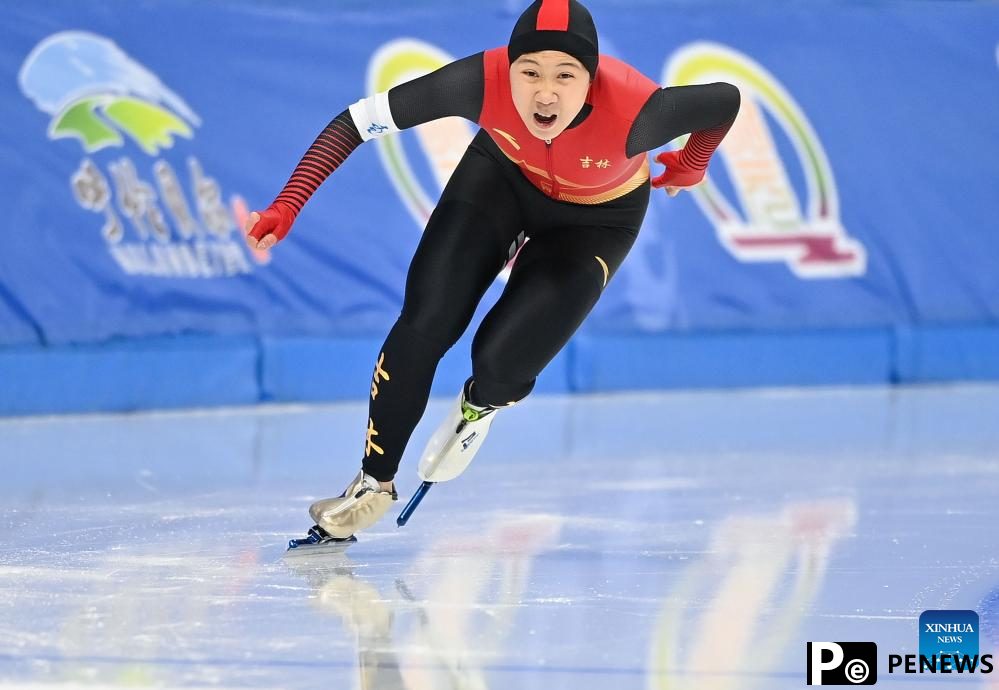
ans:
x=454 y=89
x=679 y=110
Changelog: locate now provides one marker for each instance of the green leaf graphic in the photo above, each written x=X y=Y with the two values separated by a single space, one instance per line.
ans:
x=150 y=125
x=79 y=121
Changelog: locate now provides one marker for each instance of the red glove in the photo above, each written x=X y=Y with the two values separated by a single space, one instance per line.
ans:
x=676 y=174
x=275 y=220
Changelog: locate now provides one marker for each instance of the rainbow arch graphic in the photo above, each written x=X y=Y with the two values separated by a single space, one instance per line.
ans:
x=769 y=222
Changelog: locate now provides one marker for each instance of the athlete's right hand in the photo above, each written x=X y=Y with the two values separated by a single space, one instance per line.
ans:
x=266 y=228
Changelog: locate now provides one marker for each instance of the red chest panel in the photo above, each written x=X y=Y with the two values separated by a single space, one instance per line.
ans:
x=585 y=164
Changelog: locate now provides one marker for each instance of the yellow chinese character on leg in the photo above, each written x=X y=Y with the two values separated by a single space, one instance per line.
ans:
x=369 y=444
x=378 y=376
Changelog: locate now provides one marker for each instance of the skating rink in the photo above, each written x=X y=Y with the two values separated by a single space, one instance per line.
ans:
x=652 y=541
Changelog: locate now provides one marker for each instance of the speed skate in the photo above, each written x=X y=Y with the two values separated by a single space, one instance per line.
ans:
x=318 y=541
x=457 y=440
x=452 y=447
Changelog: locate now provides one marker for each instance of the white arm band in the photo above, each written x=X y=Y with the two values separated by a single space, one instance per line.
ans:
x=372 y=116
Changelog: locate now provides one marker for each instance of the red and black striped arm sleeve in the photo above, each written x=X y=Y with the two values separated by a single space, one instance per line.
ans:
x=327 y=153
x=455 y=89
x=702 y=144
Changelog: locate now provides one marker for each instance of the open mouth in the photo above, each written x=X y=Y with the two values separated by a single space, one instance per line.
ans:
x=544 y=121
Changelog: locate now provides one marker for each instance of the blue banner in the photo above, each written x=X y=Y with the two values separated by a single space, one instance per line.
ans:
x=858 y=187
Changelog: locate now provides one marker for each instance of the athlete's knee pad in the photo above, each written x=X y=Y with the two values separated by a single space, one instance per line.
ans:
x=435 y=344
x=497 y=393
x=437 y=324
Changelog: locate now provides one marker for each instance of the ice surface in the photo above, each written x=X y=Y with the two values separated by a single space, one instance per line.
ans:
x=653 y=541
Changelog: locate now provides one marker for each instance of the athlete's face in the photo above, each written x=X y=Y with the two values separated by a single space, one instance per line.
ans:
x=549 y=89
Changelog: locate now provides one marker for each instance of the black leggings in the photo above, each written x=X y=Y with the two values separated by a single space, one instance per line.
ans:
x=484 y=215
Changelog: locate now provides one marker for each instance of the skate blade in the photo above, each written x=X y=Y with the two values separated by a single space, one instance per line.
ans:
x=304 y=547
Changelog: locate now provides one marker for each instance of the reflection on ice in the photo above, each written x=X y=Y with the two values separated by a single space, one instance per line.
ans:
x=698 y=544
x=755 y=587
x=455 y=623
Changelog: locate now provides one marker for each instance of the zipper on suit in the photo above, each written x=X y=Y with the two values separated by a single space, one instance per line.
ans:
x=551 y=170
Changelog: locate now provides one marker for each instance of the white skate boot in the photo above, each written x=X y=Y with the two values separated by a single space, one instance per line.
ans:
x=359 y=507
x=456 y=441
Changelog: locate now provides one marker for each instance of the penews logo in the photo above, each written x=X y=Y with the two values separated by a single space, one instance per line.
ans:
x=842 y=663
x=768 y=221
x=156 y=221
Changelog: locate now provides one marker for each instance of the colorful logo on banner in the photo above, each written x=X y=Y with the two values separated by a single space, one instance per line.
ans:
x=99 y=96
x=769 y=221
x=443 y=141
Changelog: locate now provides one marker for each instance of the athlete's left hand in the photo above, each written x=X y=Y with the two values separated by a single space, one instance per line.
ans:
x=676 y=178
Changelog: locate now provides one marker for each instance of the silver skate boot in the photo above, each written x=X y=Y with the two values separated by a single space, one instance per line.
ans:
x=359 y=507
x=456 y=441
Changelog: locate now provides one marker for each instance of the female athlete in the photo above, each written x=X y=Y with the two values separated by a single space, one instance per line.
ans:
x=557 y=175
